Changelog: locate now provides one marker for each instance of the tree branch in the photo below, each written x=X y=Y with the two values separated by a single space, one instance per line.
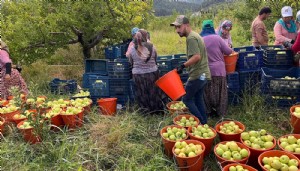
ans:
x=94 y=41
x=43 y=44
x=111 y=10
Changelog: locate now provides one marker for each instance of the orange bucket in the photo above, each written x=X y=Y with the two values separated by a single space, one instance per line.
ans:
x=168 y=144
x=274 y=153
x=230 y=62
x=190 y=163
x=2 y=125
x=108 y=106
x=256 y=152
x=208 y=142
x=249 y=168
x=284 y=136
x=171 y=84
x=29 y=135
x=57 y=121
x=229 y=137
x=224 y=161
x=295 y=121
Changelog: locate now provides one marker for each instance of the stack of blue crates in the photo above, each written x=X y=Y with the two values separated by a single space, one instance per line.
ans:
x=277 y=57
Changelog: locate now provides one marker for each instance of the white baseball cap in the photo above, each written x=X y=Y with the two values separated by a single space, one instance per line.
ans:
x=287 y=11
x=298 y=16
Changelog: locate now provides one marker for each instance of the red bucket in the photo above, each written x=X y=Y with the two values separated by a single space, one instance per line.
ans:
x=297 y=136
x=108 y=106
x=190 y=163
x=295 y=121
x=171 y=84
x=208 y=142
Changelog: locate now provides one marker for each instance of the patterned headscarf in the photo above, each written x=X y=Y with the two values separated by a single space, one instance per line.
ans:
x=225 y=25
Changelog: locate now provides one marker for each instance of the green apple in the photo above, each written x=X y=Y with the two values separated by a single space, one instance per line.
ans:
x=284 y=159
x=293 y=168
x=293 y=162
x=276 y=164
x=244 y=153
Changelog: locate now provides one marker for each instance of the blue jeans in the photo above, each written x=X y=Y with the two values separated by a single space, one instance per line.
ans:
x=194 y=99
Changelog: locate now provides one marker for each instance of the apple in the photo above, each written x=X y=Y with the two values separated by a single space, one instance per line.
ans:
x=187 y=122
x=258 y=139
x=175 y=134
x=178 y=106
x=230 y=128
x=182 y=149
x=26 y=125
x=82 y=93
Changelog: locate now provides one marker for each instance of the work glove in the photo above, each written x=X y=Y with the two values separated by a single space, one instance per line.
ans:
x=180 y=68
x=292 y=41
x=287 y=44
x=19 y=68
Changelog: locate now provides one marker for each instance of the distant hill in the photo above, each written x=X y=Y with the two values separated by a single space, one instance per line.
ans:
x=166 y=7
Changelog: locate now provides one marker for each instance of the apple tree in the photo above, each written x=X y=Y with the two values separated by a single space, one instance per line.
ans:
x=35 y=29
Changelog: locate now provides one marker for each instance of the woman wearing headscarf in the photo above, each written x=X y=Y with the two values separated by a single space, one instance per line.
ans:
x=285 y=29
x=215 y=94
x=145 y=73
x=224 y=31
x=9 y=76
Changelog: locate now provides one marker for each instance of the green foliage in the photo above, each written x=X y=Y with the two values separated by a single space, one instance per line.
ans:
x=36 y=29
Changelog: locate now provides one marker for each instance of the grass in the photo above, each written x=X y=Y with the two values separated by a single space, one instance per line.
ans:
x=128 y=141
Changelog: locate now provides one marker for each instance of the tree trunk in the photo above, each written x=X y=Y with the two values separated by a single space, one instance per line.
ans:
x=86 y=52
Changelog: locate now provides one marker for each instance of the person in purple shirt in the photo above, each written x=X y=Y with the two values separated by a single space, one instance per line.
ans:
x=215 y=93
x=9 y=76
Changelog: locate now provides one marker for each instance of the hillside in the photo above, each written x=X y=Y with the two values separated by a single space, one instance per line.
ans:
x=167 y=7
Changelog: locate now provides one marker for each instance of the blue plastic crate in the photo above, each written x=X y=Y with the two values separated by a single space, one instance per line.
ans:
x=278 y=58
x=97 y=66
x=112 y=52
x=234 y=98
x=58 y=86
x=250 y=60
x=166 y=57
x=98 y=85
x=282 y=101
x=124 y=48
x=119 y=68
x=119 y=86
x=274 y=84
x=177 y=62
x=164 y=65
x=244 y=49
x=180 y=56
x=271 y=47
x=233 y=82
x=249 y=80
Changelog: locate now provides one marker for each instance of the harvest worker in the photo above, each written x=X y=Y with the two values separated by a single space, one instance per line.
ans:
x=215 y=94
x=224 y=31
x=197 y=66
x=9 y=76
x=285 y=28
x=145 y=73
x=258 y=28
x=133 y=32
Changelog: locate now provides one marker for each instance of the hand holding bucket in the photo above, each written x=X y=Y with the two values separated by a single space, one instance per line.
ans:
x=171 y=84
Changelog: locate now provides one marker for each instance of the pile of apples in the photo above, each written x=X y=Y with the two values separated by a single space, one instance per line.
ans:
x=290 y=144
x=231 y=151
x=72 y=110
x=82 y=94
x=9 y=109
x=59 y=102
x=26 y=125
x=297 y=112
x=280 y=163
x=175 y=134
x=24 y=115
x=237 y=168
x=53 y=112
x=258 y=139
x=81 y=102
x=182 y=149
x=230 y=128
x=187 y=122
x=202 y=131
x=178 y=106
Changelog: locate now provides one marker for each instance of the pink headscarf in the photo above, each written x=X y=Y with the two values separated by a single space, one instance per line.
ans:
x=225 y=25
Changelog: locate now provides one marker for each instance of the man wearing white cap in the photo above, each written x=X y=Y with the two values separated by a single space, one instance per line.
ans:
x=285 y=28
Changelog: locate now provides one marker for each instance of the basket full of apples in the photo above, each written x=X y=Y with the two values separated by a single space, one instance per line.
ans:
x=186 y=120
x=230 y=130
x=177 y=107
x=290 y=143
x=238 y=167
x=295 y=118
x=228 y=152
x=9 y=111
x=278 y=160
